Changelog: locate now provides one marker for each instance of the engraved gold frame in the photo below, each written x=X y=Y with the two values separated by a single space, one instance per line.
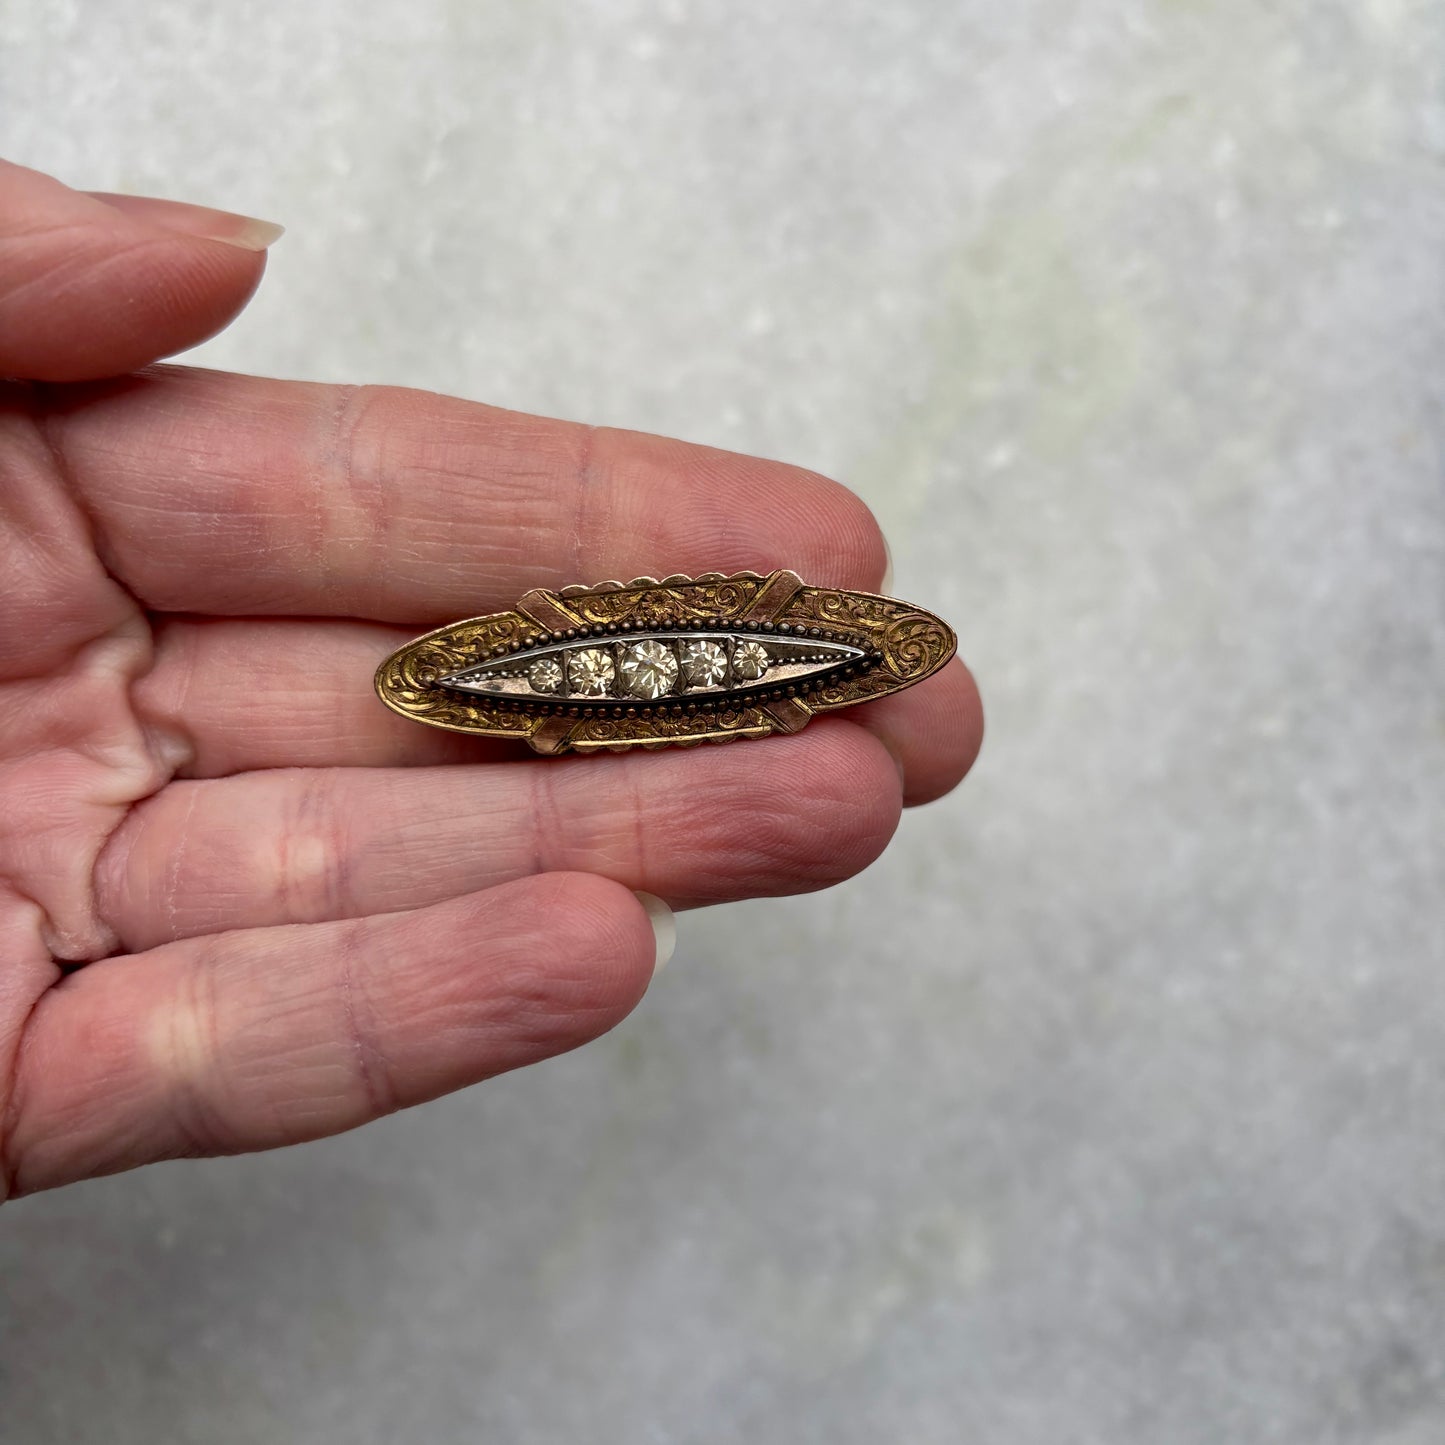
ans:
x=870 y=646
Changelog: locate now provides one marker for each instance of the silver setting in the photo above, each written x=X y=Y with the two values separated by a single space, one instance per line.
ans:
x=648 y=665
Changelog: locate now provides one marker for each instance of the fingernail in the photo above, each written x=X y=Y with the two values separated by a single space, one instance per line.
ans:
x=251 y=233
x=247 y=232
x=664 y=927
x=886 y=585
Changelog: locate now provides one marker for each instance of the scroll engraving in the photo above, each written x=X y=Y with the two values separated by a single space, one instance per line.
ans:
x=654 y=663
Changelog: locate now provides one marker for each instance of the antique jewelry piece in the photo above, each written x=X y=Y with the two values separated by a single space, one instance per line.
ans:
x=648 y=663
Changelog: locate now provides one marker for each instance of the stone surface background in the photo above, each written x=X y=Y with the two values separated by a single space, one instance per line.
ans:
x=1109 y=1106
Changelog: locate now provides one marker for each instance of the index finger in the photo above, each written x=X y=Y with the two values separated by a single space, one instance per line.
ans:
x=238 y=495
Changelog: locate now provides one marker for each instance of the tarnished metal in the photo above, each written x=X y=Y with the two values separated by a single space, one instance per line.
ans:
x=652 y=663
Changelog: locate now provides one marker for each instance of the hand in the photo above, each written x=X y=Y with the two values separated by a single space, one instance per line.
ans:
x=295 y=911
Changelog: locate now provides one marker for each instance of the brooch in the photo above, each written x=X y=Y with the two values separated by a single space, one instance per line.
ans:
x=651 y=663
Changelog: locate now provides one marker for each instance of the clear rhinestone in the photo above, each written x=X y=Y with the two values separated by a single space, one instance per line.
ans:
x=704 y=664
x=545 y=675
x=589 y=672
x=750 y=661
x=649 y=669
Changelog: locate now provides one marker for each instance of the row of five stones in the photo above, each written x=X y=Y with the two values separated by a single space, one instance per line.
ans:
x=647 y=670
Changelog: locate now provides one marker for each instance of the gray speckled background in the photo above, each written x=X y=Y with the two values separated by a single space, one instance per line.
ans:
x=1129 y=319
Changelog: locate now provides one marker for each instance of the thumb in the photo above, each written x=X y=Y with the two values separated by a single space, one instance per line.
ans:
x=96 y=285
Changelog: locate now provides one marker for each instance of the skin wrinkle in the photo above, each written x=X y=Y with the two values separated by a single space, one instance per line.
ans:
x=376 y=506
x=175 y=863
x=355 y=431
x=158 y=770
x=38 y=514
x=189 y=1046
x=65 y=477
x=45 y=231
x=585 y=503
x=164 y=724
x=373 y=1070
x=339 y=458
x=46 y=549
x=58 y=274
x=543 y=818
x=188 y=1038
x=405 y=852
x=111 y=871
x=125 y=654
x=639 y=811
x=141 y=515
x=321 y=824
x=96 y=937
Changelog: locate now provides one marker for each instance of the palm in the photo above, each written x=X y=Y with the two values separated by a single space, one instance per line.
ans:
x=296 y=910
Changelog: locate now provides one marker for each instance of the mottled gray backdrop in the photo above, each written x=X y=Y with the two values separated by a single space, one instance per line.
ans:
x=1108 y=1107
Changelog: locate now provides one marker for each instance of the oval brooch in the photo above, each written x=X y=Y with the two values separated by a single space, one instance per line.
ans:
x=651 y=663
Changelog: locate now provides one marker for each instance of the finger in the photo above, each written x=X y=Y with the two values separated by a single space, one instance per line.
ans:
x=94 y=285
x=267 y=1037
x=229 y=494
x=693 y=827
x=934 y=730
x=229 y=696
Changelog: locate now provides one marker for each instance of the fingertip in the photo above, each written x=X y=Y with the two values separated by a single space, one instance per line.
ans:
x=935 y=730
x=93 y=287
x=851 y=550
x=825 y=810
x=954 y=709
x=596 y=949
x=874 y=788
